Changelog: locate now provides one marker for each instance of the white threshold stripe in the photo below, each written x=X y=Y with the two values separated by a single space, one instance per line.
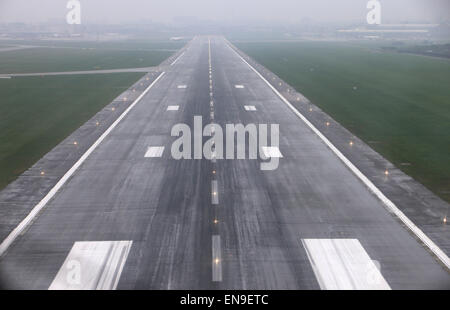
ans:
x=217 y=259
x=154 y=151
x=95 y=265
x=176 y=60
x=343 y=264
x=35 y=211
x=387 y=202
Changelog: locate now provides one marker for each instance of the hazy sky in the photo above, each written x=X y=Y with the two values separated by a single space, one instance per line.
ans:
x=116 y=11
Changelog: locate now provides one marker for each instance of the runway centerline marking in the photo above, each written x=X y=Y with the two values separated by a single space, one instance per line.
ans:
x=37 y=208
x=217 y=259
x=250 y=108
x=214 y=192
x=386 y=201
x=92 y=265
x=182 y=86
x=173 y=108
x=154 y=151
x=343 y=264
x=239 y=86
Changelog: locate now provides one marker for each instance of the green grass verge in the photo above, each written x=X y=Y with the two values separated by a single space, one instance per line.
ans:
x=401 y=106
x=74 y=59
x=126 y=44
x=36 y=113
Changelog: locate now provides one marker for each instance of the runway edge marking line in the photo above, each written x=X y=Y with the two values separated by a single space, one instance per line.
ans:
x=386 y=201
x=176 y=60
x=38 y=208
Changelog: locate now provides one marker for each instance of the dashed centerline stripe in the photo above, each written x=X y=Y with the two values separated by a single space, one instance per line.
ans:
x=217 y=259
x=214 y=192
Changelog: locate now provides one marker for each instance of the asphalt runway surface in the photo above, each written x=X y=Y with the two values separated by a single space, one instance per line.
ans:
x=132 y=217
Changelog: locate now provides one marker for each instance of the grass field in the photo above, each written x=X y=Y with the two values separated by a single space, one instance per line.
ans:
x=401 y=101
x=71 y=59
x=36 y=113
x=111 y=45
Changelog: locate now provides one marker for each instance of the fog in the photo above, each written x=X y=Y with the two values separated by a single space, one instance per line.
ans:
x=280 y=11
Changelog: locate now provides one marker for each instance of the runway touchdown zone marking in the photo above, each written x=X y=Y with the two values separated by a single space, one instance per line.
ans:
x=154 y=151
x=343 y=264
x=272 y=151
x=92 y=265
x=173 y=108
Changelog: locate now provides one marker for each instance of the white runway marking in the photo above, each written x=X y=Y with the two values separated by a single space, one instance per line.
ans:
x=217 y=259
x=173 y=108
x=239 y=86
x=250 y=108
x=37 y=208
x=387 y=202
x=154 y=151
x=214 y=192
x=182 y=86
x=5 y=77
x=95 y=265
x=271 y=151
x=343 y=264
x=176 y=60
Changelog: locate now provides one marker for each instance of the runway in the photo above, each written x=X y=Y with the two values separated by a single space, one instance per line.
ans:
x=129 y=216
